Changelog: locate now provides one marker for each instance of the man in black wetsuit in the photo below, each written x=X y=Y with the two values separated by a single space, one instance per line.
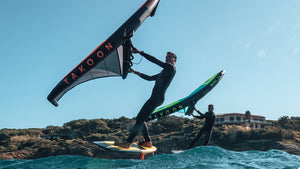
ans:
x=162 y=82
x=208 y=125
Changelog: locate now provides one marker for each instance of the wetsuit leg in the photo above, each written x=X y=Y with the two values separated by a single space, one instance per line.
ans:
x=197 y=137
x=147 y=109
x=207 y=137
x=146 y=133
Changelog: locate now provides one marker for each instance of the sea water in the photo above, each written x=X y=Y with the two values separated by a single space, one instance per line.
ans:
x=199 y=157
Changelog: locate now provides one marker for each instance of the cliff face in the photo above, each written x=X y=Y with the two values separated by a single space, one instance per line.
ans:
x=61 y=147
x=264 y=145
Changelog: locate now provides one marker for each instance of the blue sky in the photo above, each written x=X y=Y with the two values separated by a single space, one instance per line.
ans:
x=257 y=43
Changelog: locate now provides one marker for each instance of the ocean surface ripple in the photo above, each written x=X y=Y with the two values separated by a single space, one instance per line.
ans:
x=199 y=157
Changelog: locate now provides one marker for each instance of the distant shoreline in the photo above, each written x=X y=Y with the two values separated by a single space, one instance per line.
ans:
x=170 y=133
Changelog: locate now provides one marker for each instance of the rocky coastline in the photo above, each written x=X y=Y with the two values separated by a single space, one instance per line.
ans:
x=85 y=148
x=169 y=133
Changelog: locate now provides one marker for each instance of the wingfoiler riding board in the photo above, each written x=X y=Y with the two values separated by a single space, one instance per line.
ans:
x=134 y=148
x=186 y=104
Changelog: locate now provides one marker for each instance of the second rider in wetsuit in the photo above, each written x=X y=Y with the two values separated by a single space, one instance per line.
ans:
x=210 y=118
x=162 y=82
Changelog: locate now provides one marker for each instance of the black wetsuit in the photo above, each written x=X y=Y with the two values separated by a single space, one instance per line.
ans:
x=162 y=82
x=206 y=129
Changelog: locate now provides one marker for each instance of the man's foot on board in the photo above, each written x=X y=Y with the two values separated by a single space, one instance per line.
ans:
x=124 y=144
x=145 y=144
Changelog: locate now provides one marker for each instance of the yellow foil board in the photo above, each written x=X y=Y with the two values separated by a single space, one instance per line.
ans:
x=134 y=148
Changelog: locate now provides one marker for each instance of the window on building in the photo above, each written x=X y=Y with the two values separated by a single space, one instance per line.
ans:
x=238 y=118
x=221 y=119
x=218 y=119
x=231 y=119
x=256 y=126
x=262 y=126
x=251 y=125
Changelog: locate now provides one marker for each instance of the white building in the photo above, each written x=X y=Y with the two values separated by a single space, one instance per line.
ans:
x=256 y=121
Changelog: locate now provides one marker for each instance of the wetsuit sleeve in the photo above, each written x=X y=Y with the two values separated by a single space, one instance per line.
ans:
x=201 y=115
x=150 y=78
x=206 y=115
x=153 y=59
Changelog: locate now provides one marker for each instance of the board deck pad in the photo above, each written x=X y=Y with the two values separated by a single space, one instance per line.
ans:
x=134 y=148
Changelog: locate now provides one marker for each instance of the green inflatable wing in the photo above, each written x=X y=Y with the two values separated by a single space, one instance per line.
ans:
x=186 y=104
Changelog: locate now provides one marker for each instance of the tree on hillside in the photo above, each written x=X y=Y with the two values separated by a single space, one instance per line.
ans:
x=296 y=121
x=168 y=124
x=286 y=123
x=247 y=117
x=98 y=126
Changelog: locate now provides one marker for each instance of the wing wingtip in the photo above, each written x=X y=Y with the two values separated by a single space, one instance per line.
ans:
x=52 y=101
